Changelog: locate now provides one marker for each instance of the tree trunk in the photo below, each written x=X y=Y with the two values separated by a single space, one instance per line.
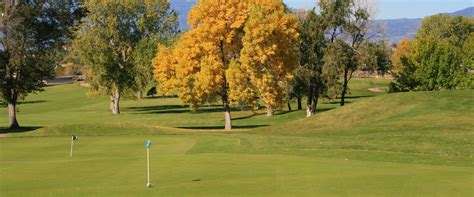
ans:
x=12 y=115
x=344 y=88
x=115 y=102
x=228 y=119
x=314 y=107
x=139 y=94
x=300 y=106
x=289 y=105
x=270 y=111
x=225 y=95
x=309 y=104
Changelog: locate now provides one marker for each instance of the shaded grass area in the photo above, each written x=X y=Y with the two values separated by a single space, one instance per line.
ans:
x=18 y=130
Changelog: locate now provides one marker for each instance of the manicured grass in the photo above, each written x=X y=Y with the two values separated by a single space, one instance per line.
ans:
x=68 y=105
x=405 y=144
x=115 y=166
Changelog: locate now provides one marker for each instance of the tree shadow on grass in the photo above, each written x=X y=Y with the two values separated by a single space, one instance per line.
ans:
x=31 y=102
x=159 y=97
x=337 y=102
x=174 y=109
x=360 y=96
x=19 y=130
x=278 y=113
x=244 y=117
x=157 y=108
x=324 y=109
x=221 y=127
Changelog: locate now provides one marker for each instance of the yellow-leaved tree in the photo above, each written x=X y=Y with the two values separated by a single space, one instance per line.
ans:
x=400 y=54
x=164 y=71
x=205 y=64
x=269 y=53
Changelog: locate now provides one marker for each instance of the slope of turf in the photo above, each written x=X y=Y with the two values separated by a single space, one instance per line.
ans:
x=421 y=124
x=406 y=144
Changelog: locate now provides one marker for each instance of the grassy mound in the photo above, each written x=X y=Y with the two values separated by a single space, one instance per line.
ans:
x=424 y=127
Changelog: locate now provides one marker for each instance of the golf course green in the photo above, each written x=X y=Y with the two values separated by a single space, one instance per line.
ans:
x=379 y=144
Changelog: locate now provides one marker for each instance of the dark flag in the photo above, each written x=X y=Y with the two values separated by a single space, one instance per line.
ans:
x=75 y=138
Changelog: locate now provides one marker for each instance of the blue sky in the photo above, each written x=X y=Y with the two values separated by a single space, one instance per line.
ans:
x=393 y=9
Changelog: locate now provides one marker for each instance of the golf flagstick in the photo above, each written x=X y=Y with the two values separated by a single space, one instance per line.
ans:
x=73 y=138
x=72 y=145
x=148 y=145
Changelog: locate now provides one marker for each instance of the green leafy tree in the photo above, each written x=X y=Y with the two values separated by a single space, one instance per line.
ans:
x=143 y=55
x=375 y=57
x=331 y=50
x=310 y=75
x=468 y=52
x=297 y=88
x=355 y=29
x=164 y=33
x=32 y=34
x=347 y=23
x=439 y=57
x=339 y=58
x=116 y=42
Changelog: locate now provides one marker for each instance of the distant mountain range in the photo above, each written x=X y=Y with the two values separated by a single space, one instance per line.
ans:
x=397 y=29
x=392 y=29
x=468 y=12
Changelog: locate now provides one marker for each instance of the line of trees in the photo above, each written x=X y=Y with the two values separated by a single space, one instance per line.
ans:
x=238 y=52
x=333 y=40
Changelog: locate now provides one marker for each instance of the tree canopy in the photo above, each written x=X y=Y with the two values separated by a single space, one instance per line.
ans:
x=113 y=42
x=333 y=37
x=233 y=53
x=32 y=35
x=438 y=58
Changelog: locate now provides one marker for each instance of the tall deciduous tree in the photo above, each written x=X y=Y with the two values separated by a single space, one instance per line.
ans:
x=205 y=53
x=312 y=52
x=329 y=36
x=269 y=54
x=210 y=66
x=114 y=42
x=355 y=29
x=32 y=34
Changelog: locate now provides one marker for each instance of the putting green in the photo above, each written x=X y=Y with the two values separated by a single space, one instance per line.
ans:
x=116 y=166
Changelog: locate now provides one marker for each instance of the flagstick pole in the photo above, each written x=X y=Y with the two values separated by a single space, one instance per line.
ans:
x=72 y=144
x=148 y=164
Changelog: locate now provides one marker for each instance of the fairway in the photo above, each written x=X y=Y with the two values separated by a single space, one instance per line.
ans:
x=406 y=144
x=115 y=166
